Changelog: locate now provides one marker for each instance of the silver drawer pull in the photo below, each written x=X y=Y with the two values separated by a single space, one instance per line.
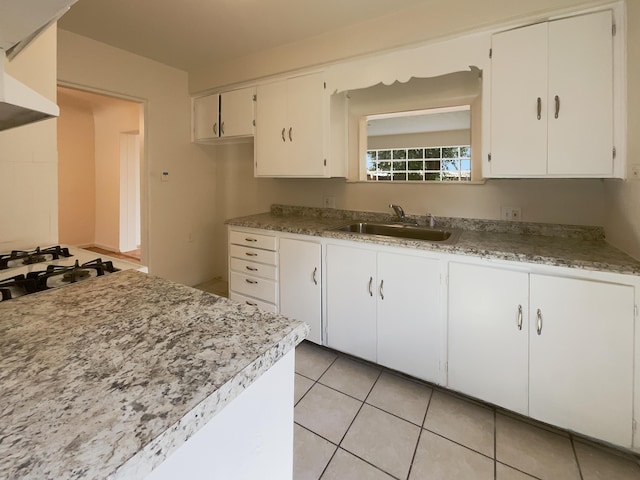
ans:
x=250 y=239
x=382 y=289
x=519 y=317
x=315 y=280
x=539 y=315
x=251 y=269
x=539 y=108
x=252 y=282
x=370 y=284
x=557 y=99
x=251 y=303
x=283 y=130
x=251 y=254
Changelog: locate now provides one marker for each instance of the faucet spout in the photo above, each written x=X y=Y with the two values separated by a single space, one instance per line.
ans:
x=399 y=212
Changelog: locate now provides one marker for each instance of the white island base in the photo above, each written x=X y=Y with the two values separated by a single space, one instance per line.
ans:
x=250 y=438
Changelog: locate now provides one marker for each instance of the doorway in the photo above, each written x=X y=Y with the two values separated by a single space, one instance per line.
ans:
x=100 y=152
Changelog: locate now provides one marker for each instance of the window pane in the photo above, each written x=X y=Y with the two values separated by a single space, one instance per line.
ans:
x=450 y=152
x=400 y=176
x=433 y=165
x=415 y=176
x=432 y=176
x=399 y=154
x=416 y=153
x=399 y=166
x=465 y=152
x=465 y=165
x=432 y=153
x=384 y=154
x=384 y=166
x=371 y=165
x=415 y=165
x=451 y=165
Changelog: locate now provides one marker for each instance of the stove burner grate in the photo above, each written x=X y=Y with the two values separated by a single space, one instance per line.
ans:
x=20 y=283
x=22 y=257
x=71 y=274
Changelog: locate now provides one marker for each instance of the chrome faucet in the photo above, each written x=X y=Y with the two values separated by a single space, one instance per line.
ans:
x=399 y=212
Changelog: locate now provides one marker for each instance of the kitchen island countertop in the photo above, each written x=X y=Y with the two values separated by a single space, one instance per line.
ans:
x=558 y=245
x=106 y=377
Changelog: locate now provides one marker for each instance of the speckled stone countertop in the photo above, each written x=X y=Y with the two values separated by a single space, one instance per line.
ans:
x=106 y=377
x=571 y=246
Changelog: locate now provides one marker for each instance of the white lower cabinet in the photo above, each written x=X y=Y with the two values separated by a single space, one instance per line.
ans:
x=571 y=362
x=385 y=307
x=581 y=356
x=301 y=283
x=488 y=348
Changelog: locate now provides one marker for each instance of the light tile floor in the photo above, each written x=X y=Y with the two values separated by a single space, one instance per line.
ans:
x=354 y=420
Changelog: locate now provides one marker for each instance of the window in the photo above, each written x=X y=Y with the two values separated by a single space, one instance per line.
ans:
x=441 y=164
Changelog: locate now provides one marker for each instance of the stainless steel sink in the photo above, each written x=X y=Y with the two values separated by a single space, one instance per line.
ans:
x=402 y=231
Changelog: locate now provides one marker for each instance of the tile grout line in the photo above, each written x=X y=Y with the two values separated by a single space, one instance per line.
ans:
x=575 y=455
x=424 y=419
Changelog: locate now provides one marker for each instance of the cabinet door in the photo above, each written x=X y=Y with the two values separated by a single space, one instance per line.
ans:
x=351 y=301
x=488 y=349
x=271 y=129
x=581 y=364
x=236 y=113
x=305 y=128
x=205 y=117
x=580 y=76
x=409 y=315
x=300 y=284
x=518 y=86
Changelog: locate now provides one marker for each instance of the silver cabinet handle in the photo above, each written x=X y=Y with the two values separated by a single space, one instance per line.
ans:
x=557 y=106
x=250 y=239
x=221 y=128
x=252 y=282
x=215 y=128
x=382 y=289
x=251 y=269
x=283 y=139
x=370 y=284
x=251 y=303
x=539 y=320
x=315 y=280
x=539 y=108
x=290 y=136
x=519 y=317
x=251 y=254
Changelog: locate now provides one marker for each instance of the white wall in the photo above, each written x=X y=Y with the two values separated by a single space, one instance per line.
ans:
x=28 y=158
x=183 y=207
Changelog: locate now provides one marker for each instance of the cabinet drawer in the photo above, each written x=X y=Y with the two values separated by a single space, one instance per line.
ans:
x=252 y=240
x=253 y=268
x=266 y=306
x=252 y=254
x=256 y=287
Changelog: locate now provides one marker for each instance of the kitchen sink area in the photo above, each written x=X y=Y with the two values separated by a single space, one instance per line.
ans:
x=402 y=230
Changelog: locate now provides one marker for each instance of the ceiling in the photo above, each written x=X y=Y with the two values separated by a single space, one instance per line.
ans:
x=193 y=34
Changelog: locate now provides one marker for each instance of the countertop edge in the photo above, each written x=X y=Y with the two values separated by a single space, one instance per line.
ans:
x=158 y=450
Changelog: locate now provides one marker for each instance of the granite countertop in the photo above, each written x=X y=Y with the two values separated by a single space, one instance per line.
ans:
x=571 y=246
x=106 y=377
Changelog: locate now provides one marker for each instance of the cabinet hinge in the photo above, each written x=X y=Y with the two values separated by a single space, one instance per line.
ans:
x=634 y=425
x=255 y=98
x=614 y=152
x=491 y=53
x=254 y=123
x=489 y=157
x=325 y=85
x=635 y=310
x=325 y=162
x=613 y=30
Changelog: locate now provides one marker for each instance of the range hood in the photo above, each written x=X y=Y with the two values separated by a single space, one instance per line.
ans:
x=21 y=22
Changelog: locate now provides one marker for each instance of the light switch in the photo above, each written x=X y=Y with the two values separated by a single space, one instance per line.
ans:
x=164 y=177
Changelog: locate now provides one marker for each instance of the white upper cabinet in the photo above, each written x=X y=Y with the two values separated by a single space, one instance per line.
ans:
x=206 y=123
x=225 y=115
x=293 y=130
x=552 y=99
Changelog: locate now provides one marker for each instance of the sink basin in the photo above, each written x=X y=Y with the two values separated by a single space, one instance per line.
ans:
x=402 y=231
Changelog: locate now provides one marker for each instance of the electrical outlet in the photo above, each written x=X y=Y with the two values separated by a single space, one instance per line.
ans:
x=511 y=214
x=164 y=177
x=329 y=201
